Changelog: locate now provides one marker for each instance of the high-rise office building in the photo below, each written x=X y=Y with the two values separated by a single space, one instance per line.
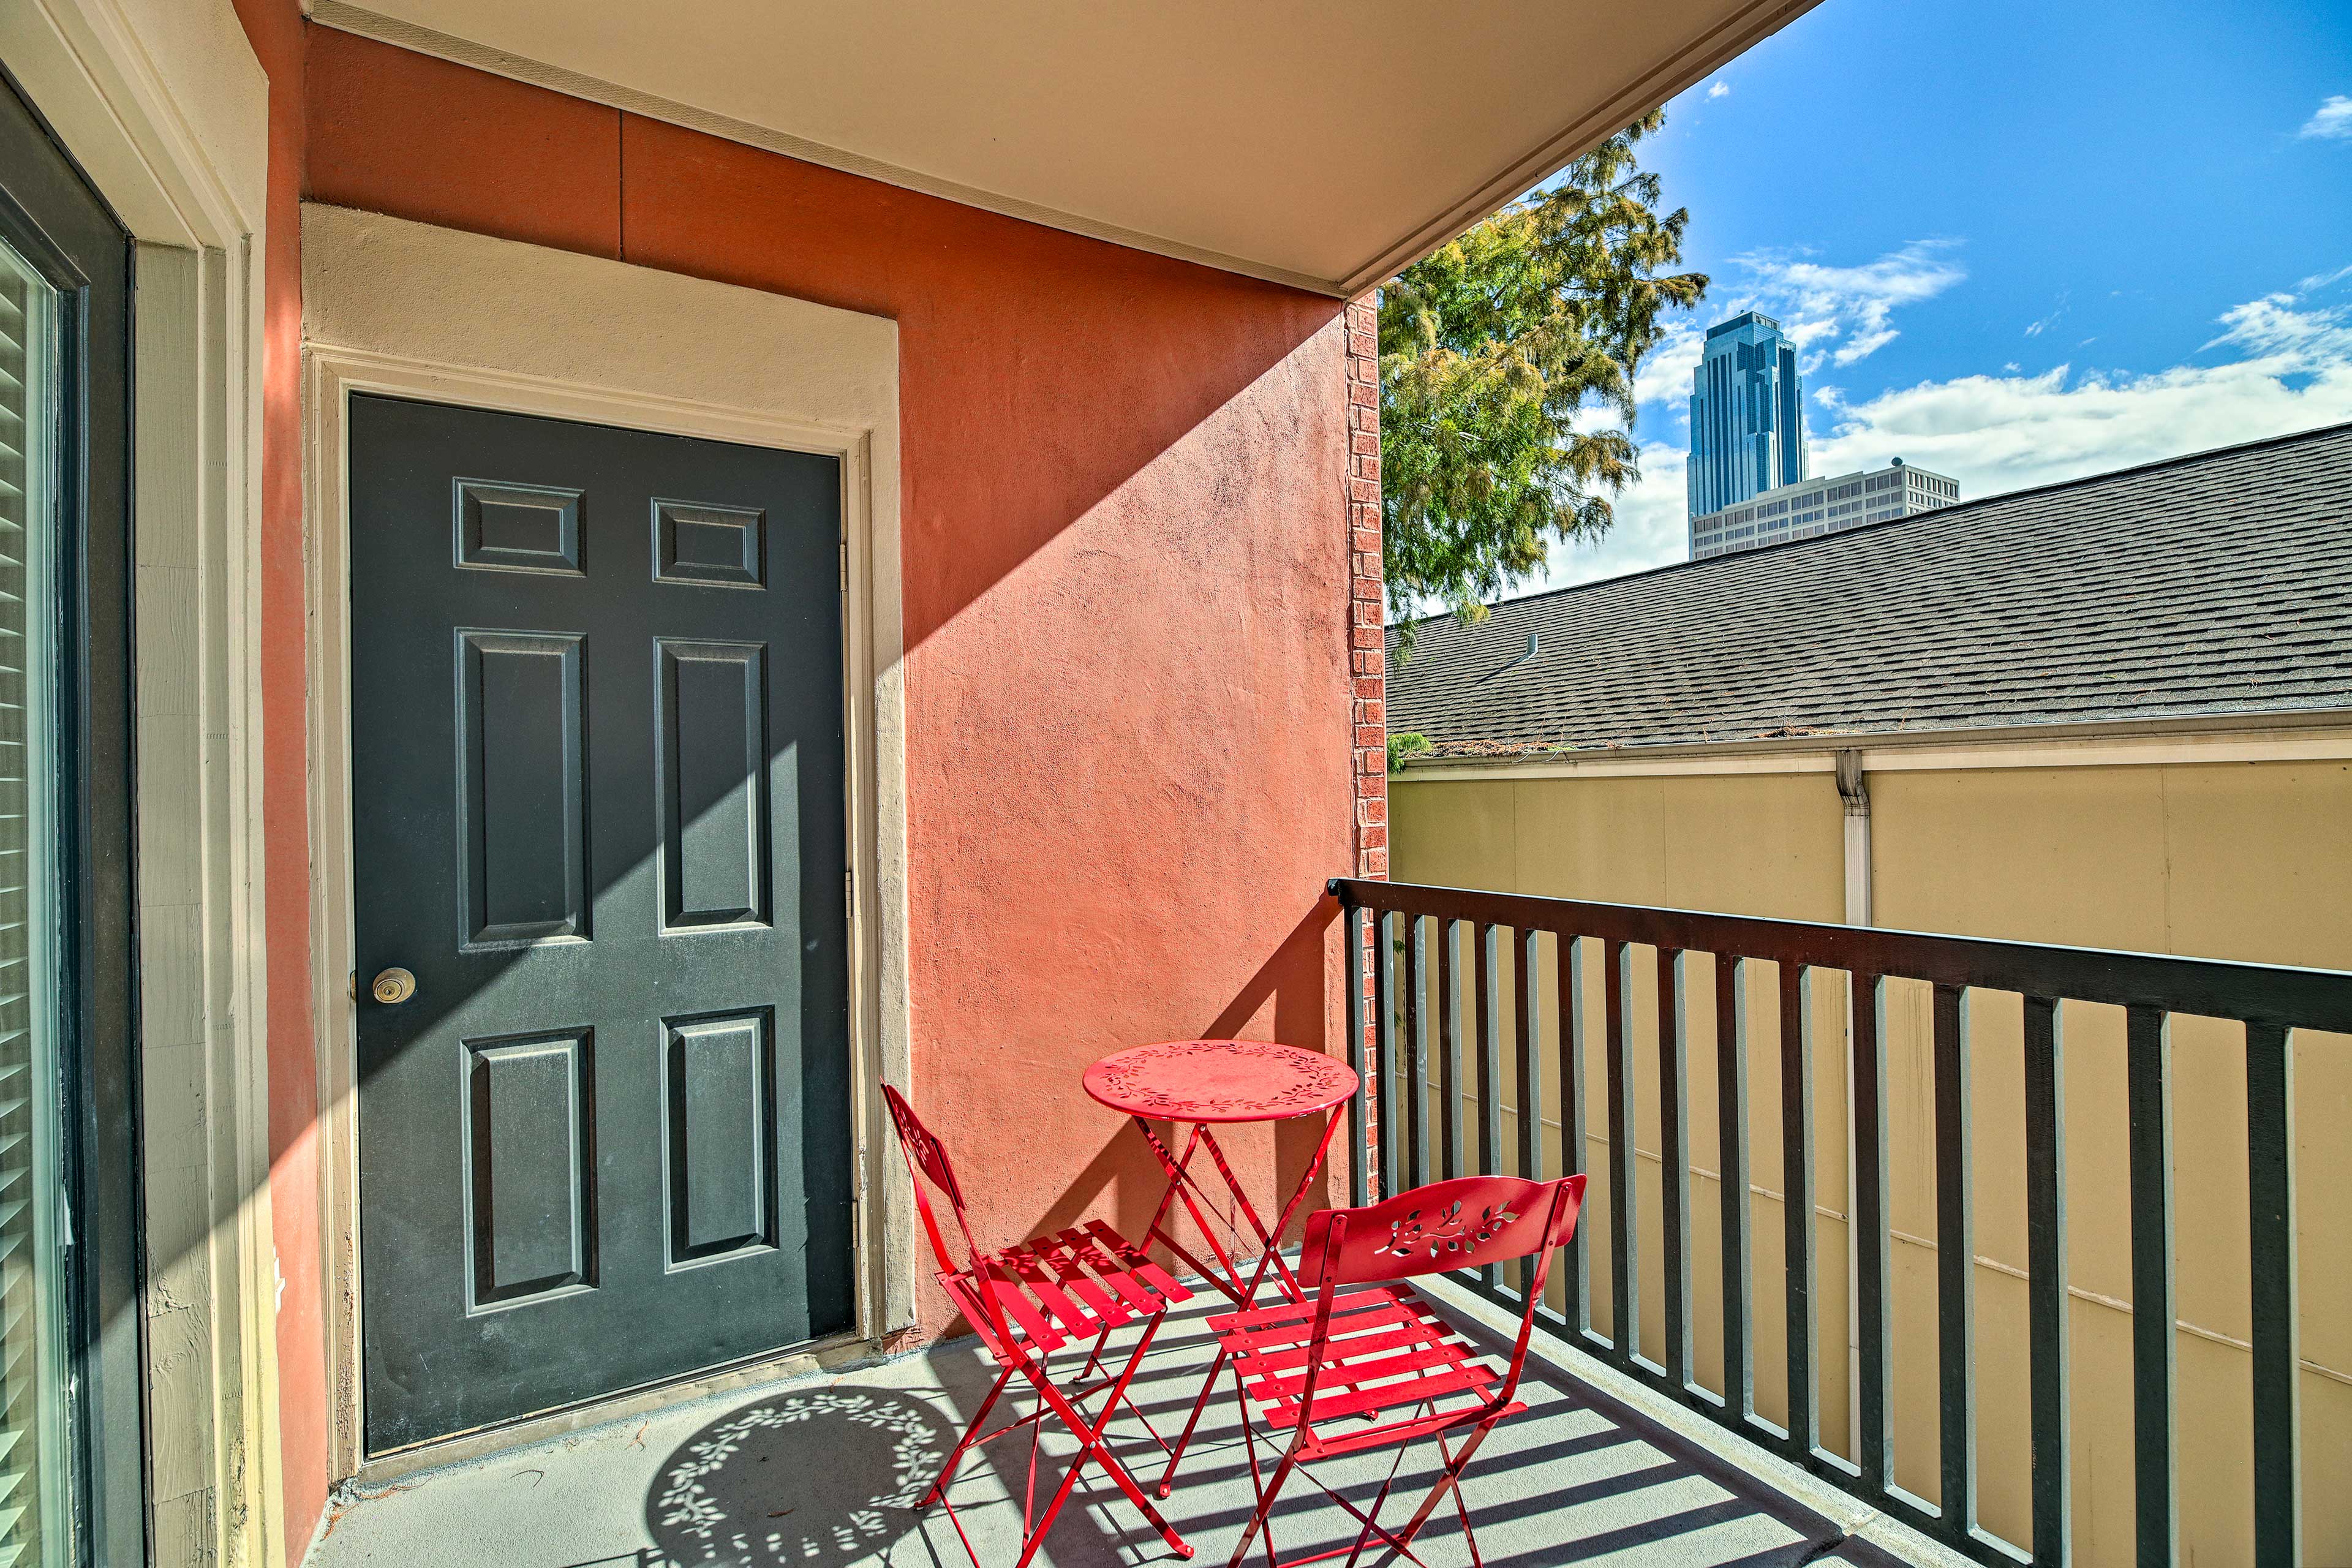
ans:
x=1820 y=506
x=1747 y=413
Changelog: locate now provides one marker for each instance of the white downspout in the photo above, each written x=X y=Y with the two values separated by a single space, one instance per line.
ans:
x=1854 y=790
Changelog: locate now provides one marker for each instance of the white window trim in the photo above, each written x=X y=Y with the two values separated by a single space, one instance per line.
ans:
x=166 y=111
x=419 y=311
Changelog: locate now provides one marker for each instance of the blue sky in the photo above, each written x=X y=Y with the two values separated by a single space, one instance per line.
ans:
x=2018 y=242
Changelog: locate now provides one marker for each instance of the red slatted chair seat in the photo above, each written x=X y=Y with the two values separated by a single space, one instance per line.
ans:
x=1386 y=1352
x=1072 y=1285
x=1364 y=1363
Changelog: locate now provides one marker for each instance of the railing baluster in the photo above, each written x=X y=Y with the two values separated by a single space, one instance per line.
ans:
x=2147 y=1091
x=1874 y=1292
x=1353 y=931
x=2270 y=1170
x=1530 y=1035
x=1416 y=1035
x=1449 y=1044
x=1624 y=1289
x=1731 y=1138
x=1568 y=1000
x=1955 y=1265
x=1384 y=999
x=1490 y=1070
x=1673 y=1163
x=2045 y=1267
x=1797 y=1206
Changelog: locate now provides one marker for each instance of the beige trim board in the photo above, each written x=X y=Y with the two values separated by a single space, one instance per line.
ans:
x=2257 y=738
x=419 y=311
x=164 y=108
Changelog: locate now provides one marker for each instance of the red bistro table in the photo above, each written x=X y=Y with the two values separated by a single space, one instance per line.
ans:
x=1210 y=1083
x=1213 y=1083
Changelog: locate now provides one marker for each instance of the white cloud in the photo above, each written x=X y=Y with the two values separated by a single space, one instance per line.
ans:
x=1652 y=527
x=1665 y=372
x=2290 y=368
x=1854 y=306
x=2333 y=122
x=2285 y=365
x=1720 y=90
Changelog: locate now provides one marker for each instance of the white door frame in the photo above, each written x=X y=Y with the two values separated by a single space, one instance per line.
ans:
x=417 y=311
x=165 y=108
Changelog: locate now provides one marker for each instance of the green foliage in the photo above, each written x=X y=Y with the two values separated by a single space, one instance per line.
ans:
x=1488 y=349
x=1409 y=745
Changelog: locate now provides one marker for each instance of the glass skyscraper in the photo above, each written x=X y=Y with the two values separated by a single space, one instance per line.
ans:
x=1747 y=413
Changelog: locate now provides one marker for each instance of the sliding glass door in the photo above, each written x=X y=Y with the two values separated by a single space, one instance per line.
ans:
x=35 y=1493
x=71 y=1444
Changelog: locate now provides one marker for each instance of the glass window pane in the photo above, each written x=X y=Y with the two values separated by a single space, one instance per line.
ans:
x=35 y=1469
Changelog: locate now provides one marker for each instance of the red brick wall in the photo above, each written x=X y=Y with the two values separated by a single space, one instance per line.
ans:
x=1368 y=657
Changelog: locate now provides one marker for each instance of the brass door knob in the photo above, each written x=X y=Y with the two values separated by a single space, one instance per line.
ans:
x=393 y=986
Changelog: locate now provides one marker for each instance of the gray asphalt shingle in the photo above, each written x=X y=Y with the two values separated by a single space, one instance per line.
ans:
x=2215 y=584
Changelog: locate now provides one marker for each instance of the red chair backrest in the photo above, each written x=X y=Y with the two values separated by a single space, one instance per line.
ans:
x=1441 y=1226
x=927 y=1157
x=1430 y=1230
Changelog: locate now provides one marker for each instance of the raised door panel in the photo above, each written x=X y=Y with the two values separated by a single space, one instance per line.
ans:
x=531 y=1167
x=713 y=740
x=522 y=788
x=720 y=1165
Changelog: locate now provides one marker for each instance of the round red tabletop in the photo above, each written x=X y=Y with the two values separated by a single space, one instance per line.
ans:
x=1220 y=1081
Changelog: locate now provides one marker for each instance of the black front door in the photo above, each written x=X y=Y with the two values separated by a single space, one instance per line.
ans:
x=598 y=814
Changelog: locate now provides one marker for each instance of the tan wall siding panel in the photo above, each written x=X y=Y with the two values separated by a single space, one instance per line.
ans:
x=2235 y=860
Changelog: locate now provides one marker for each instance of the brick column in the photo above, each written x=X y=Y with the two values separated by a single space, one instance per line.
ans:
x=1368 y=660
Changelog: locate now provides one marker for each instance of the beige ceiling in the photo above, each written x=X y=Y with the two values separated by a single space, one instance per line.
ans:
x=1323 y=142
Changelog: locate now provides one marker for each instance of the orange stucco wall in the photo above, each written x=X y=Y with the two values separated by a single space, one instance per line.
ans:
x=1127 y=612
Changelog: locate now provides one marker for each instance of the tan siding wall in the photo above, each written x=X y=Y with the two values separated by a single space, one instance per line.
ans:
x=2240 y=860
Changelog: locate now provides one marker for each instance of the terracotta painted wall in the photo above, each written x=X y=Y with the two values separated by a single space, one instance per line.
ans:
x=1127 y=584
x=276 y=30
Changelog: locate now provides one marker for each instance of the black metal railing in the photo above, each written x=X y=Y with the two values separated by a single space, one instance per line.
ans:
x=1410 y=978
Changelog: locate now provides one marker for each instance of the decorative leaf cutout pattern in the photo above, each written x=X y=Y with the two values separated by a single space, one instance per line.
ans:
x=1448 y=1231
x=1167 y=1080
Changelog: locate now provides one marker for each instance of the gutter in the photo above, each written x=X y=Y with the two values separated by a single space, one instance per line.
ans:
x=2288 y=734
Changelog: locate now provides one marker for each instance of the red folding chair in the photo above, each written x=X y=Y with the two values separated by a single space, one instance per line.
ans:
x=1027 y=1302
x=1321 y=1368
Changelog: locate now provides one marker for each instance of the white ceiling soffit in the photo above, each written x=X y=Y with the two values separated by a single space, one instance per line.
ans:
x=1324 y=143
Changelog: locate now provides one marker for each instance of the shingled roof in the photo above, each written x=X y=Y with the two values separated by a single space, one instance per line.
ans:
x=2215 y=584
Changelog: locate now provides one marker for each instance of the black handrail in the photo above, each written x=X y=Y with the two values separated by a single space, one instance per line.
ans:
x=2270 y=1001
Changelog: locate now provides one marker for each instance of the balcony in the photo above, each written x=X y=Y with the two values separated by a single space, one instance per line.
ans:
x=1607 y=1020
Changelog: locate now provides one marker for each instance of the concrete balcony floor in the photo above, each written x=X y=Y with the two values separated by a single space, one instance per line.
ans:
x=824 y=1470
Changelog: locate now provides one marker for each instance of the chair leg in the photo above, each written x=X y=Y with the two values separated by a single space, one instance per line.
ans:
x=1208 y=1387
x=1447 y=1481
x=1266 y=1494
x=1462 y=1510
x=1092 y=1449
x=971 y=1436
